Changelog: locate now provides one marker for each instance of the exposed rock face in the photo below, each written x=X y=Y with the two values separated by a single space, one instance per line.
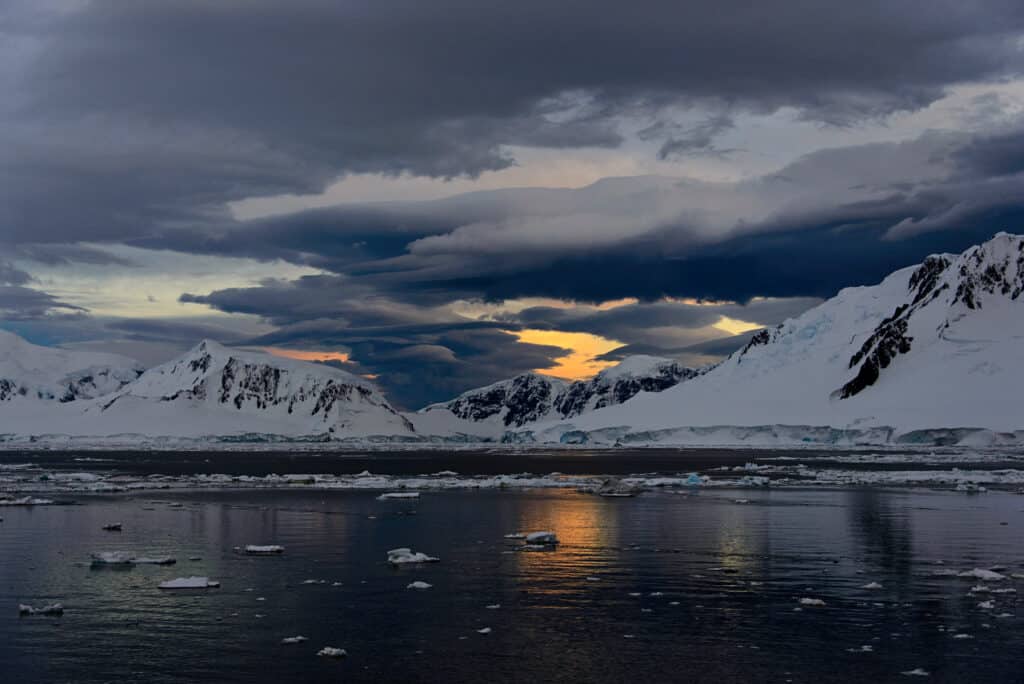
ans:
x=531 y=397
x=520 y=400
x=260 y=384
x=994 y=269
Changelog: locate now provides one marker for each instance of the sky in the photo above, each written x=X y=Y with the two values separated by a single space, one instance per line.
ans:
x=442 y=194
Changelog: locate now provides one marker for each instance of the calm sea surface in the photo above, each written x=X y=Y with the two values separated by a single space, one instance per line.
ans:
x=664 y=586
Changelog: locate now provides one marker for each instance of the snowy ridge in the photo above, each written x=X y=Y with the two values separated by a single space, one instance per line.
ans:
x=530 y=397
x=214 y=391
x=29 y=372
x=932 y=352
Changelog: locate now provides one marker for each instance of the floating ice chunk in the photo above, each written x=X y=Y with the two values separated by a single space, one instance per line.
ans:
x=112 y=558
x=493 y=606
x=541 y=538
x=593 y=579
x=866 y=648
x=962 y=636
x=418 y=585
x=398 y=495
x=987 y=575
x=446 y=473
x=404 y=555
x=113 y=527
x=314 y=581
x=332 y=652
x=157 y=560
x=189 y=583
x=916 y=672
x=742 y=501
x=25 y=501
x=987 y=605
x=485 y=630
x=695 y=480
x=365 y=473
x=811 y=602
x=294 y=640
x=125 y=558
x=50 y=609
x=872 y=585
x=265 y=550
x=515 y=535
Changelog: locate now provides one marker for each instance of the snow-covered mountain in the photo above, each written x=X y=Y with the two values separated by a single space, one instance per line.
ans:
x=215 y=391
x=32 y=373
x=933 y=353
x=529 y=398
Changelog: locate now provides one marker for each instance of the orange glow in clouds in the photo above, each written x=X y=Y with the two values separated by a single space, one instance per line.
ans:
x=580 y=362
x=300 y=355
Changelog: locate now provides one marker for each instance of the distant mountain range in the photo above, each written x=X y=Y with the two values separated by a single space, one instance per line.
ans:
x=932 y=355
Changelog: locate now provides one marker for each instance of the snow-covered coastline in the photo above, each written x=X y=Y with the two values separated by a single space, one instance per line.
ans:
x=931 y=356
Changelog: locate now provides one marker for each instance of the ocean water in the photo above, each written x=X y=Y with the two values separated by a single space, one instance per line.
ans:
x=692 y=585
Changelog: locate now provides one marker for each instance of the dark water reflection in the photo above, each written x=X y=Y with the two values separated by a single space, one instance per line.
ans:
x=663 y=587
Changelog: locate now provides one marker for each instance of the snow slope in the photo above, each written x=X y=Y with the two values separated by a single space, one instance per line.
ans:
x=214 y=391
x=488 y=412
x=31 y=373
x=937 y=346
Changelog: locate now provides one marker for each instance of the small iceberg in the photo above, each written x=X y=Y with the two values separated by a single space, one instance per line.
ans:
x=872 y=585
x=264 y=550
x=332 y=652
x=485 y=630
x=189 y=583
x=294 y=640
x=987 y=575
x=404 y=556
x=515 y=535
x=51 y=609
x=418 y=585
x=695 y=480
x=398 y=495
x=547 y=538
x=123 y=558
x=916 y=672
x=811 y=602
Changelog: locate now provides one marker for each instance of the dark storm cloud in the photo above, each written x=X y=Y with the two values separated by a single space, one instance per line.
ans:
x=421 y=364
x=123 y=116
x=9 y=275
x=22 y=303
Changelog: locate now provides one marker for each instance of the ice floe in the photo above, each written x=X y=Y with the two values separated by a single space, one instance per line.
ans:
x=25 y=501
x=194 y=582
x=125 y=558
x=541 y=538
x=981 y=574
x=263 y=550
x=294 y=640
x=402 y=556
x=332 y=652
x=398 y=495
x=916 y=672
x=418 y=585
x=50 y=609
x=872 y=585
x=811 y=602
